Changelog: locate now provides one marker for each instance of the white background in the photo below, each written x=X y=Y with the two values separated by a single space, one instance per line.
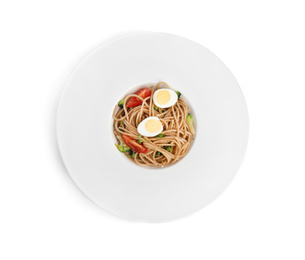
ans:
x=44 y=215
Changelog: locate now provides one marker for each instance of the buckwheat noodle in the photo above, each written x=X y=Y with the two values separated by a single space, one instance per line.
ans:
x=177 y=133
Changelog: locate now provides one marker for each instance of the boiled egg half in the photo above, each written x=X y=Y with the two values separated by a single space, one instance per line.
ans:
x=164 y=98
x=150 y=126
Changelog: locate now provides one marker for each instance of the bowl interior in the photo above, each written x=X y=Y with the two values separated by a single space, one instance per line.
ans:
x=132 y=90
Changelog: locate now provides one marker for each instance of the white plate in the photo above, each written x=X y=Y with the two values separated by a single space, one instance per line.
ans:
x=86 y=142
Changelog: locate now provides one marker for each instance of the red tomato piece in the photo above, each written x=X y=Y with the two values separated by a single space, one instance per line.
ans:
x=143 y=93
x=134 y=145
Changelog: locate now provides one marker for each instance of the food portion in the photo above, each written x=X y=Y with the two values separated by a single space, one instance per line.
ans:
x=134 y=145
x=153 y=126
x=136 y=101
x=165 y=98
x=150 y=126
x=190 y=123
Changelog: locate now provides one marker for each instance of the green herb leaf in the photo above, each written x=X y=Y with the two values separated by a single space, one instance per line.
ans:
x=160 y=136
x=121 y=103
x=122 y=148
x=157 y=154
x=131 y=153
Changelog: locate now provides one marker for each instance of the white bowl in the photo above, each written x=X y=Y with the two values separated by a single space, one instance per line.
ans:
x=86 y=142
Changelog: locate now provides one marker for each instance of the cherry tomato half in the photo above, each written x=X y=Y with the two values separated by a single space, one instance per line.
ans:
x=143 y=93
x=134 y=145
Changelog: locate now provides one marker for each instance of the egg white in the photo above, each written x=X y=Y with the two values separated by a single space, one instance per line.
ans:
x=172 y=101
x=142 y=130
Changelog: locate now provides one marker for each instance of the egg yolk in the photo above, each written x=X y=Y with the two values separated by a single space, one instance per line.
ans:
x=153 y=125
x=163 y=97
